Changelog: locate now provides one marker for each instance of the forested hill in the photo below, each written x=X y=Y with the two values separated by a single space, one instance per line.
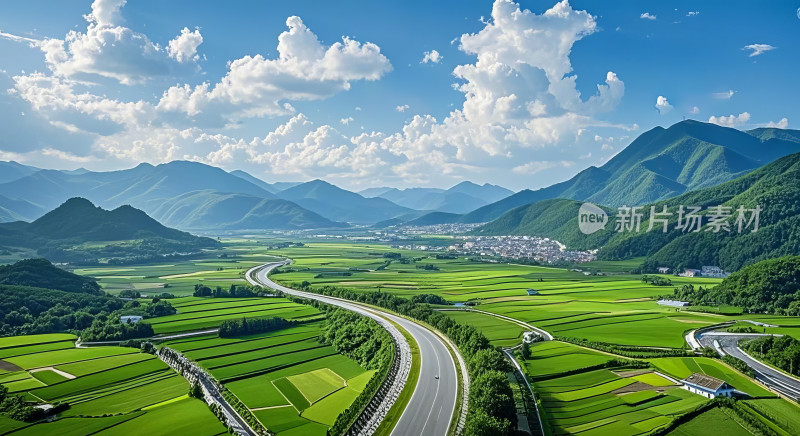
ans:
x=775 y=187
x=71 y=233
x=768 y=286
x=40 y=273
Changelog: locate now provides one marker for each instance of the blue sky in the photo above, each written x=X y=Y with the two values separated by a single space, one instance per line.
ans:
x=510 y=95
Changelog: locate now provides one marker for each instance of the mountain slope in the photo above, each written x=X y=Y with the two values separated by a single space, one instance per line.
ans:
x=144 y=186
x=775 y=187
x=660 y=164
x=204 y=210
x=167 y=190
x=461 y=198
x=81 y=220
x=72 y=231
x=10 y=171
x=40 y=273
x=338 y=204
x=486 y=192
x=254 y=180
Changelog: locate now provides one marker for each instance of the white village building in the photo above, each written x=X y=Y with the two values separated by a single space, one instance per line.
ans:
x=707 y=386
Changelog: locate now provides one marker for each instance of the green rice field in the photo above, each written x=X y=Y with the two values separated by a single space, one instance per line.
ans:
x=291 y=383
x=98 y=382
x=296 y=386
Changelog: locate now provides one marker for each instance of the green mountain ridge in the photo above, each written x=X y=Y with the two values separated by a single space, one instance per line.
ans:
x=461 y=198
x=338 y=204
x=659 y=164
x=169 y=192
x=774 y=187
x=40 y=273
x=231 y=211
x=125 y=232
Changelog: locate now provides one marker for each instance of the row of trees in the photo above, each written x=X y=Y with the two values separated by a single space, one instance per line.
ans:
x=491 y=403
x=130 y=293
x=244 y=326
x=656 y=280
x=112 y=329
x=358 y=338
x=232 y=292
x=363 y=340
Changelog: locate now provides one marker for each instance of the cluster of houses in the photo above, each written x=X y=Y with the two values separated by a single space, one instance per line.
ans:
x=705 y=271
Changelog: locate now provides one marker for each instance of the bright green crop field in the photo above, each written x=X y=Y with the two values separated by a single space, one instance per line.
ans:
x=291 y=383
x=609 y=305
x=296 y=386
x=98 y=382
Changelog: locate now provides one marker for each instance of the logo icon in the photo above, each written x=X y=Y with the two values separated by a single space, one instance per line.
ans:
x=591 y=218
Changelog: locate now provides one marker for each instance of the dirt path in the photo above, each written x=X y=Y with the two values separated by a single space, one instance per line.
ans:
x=57 y=371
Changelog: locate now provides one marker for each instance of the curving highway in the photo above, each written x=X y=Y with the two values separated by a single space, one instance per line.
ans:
x=430 y=409
x=728 y=343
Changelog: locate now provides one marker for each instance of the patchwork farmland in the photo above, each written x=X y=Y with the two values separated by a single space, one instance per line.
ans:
x=109 y=389
x=291 y=383
x=295 y=385
x=582 y=390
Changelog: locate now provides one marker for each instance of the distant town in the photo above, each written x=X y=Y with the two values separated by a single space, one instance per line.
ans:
x=542 y=250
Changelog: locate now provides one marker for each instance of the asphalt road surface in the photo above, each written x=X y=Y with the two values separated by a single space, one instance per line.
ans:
x=776 y=380
x=430 y=409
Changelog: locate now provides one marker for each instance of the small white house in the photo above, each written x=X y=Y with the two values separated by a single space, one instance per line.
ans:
x=130 y=319
x=531 y=337
x=663 y=270
x=688 y=272
x=532 y=292
x=707 y=386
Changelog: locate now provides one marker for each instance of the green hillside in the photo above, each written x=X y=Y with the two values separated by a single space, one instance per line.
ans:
x=40 y=273
x=78 y=231
x=767 y=286
x=338 y=204
x=659 y=164
x=774 y=187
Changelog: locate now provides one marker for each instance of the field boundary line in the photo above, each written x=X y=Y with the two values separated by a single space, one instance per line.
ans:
x=540 y=331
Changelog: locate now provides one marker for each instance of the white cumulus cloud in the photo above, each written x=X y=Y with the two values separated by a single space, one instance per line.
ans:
x=255 y=86
x=782 y=124
x=648 y=16
x=730 y=120
x=663 y=105
x=184 y=47
x=431 y=56
x=401 y=108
